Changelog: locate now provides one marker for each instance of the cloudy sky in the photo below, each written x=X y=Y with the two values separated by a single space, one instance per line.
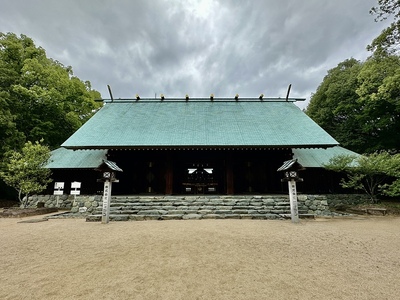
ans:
x=197 y=47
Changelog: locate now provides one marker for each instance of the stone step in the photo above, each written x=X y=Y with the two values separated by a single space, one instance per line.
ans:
x=182 y=203
x=123 y=208
x=191 y=208
x=200 y=210
x=145 y=217
x=203 y=199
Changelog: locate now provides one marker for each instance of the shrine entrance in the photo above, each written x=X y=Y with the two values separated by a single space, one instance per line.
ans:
x=199 y=172
x=200 y=180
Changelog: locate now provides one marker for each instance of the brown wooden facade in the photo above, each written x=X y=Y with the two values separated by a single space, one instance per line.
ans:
x=168 y=172
x=199 y=171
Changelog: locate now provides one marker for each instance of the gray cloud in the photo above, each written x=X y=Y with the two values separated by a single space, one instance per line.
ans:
x=197 y=47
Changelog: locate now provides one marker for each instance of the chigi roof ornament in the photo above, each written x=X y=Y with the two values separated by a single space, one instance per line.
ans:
x=109 y=91
x=197 y=99
x=288 y=92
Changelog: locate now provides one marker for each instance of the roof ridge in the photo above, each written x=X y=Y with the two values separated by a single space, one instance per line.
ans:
x=201 y=99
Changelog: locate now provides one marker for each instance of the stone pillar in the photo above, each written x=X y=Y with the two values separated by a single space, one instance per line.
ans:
x=294 y=210
x=105 y=216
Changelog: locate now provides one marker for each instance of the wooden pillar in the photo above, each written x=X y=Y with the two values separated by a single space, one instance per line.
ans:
x=229 y=176
x=169 y=175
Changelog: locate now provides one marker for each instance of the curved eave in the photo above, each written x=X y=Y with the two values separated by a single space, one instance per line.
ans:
x=201 y=147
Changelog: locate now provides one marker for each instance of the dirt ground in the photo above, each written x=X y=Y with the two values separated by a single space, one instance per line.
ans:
x=357 y=258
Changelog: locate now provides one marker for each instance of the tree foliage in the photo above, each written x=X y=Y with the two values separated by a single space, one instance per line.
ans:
x=40 y=98
x=393 y=189
x=358 y=103
x=388 y=41
x=24 y=170
x=376 y=173
x=334 y=105
x=379 y=99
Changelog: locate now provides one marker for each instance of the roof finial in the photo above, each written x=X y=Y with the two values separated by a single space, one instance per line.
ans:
x=288 y=92
x=109 y=90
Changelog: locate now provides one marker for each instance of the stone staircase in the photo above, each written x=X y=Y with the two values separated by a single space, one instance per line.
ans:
x=138 y=208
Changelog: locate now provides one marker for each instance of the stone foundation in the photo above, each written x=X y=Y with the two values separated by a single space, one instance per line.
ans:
x=87 y=203
x=197 y=207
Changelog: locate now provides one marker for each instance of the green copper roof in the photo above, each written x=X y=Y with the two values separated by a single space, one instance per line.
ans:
x=62 y=158
x=316 y=158
x=243 y=123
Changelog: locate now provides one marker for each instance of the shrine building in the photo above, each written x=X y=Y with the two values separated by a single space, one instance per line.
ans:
x=197 y=146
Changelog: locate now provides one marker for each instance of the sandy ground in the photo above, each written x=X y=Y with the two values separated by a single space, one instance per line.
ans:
x=204 y=259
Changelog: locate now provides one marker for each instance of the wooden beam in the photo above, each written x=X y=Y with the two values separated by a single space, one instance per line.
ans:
x=229 y=176
x=169 y=175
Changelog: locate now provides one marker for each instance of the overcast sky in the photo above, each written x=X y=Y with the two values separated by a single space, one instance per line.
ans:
x=179 y=47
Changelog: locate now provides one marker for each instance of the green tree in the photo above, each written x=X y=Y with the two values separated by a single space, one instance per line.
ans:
x=370 y=173
x=393 y=189
x=379 y=102
x=42 y=98
x=10 y=138
x=388 y=41
x=335 y=103
x=25 y=172
x=359 y=104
